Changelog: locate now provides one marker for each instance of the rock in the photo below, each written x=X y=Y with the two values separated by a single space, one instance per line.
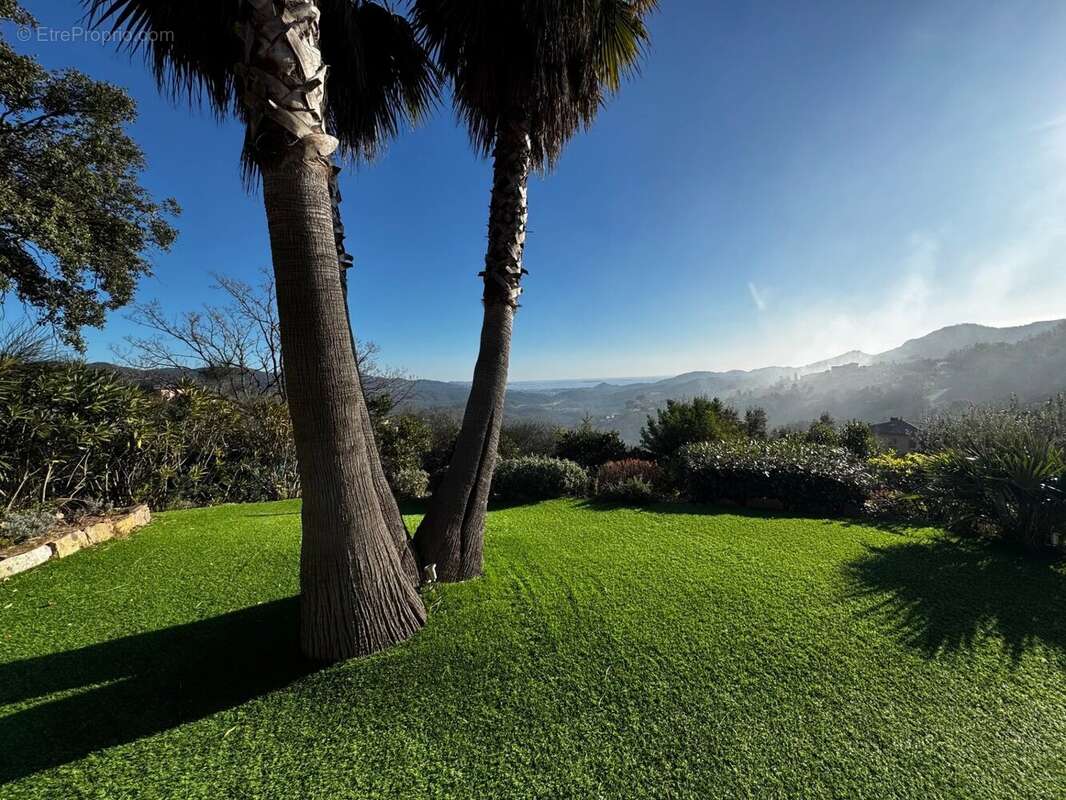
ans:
x=135 y=518
x=24 y=561
x=100 y=532
x=69 y=543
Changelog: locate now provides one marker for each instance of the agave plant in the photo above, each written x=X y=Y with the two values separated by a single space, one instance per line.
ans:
x=268 y=63
x=1015 y=486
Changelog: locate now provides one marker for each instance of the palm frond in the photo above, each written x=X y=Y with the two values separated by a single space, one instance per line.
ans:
x=555 y=62
x=381 y=78
x=190 y=46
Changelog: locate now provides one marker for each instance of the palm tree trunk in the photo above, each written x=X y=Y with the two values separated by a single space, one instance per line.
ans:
x=355 y=597
x=387 y=500
x=452 y=533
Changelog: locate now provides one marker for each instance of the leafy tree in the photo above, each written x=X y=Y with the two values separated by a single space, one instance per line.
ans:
x=681 y=423
x=589 y=447
x=857 y=437
x=76 y=226
x=755 y=423
x=527 y=438
x=264 y=61
x=823 y=431
x=526 y=75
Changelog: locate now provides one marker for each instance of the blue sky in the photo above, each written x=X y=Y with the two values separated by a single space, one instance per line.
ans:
x=785 y=181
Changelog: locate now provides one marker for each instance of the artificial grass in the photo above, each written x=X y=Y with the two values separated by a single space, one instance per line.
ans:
x=669 y=653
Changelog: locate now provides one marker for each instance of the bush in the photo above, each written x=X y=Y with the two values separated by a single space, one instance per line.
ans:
x=857 y=438
x=985 y=426
x=823 y=431
x=682 y=423
x=403 y=442
x=615 y=472
x=538 y=478
x=634 y=491
x=799 y=477
x=21 y=526
x=630 y=481
x=589 y=447
x=519 y=439
x=410 y=484
x=1014 y=488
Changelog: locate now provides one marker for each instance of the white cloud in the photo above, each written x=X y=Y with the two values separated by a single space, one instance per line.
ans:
x=757 y=297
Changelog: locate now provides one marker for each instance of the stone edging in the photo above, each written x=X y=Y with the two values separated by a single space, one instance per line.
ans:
x=72 y=541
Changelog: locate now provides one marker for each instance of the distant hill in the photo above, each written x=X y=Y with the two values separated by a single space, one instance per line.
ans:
x=952 y=366
x=944 y=342
x=949 y=367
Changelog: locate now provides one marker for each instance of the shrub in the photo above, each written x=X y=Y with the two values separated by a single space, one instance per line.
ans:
x=410 y=483
x=858 y=439
x=589 y=447
x=984 y=426
x=800 y=477
x=1014 y=488
x=538 y=478
x=823 y=431
x=444 y=431
x=403 y=442
x=681 y=423
x=635 y=491
x=902 y=473
x=615 y=472
x=21 y=526
x=529 y=438
x=631 y=481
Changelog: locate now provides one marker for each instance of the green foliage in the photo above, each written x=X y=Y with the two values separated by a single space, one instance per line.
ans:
x=76 y=226
x=67 y=431
x=682 y=423
x=904 y=473
x=21 y=526
x=987 y=426
x=823 y=432
x=529 y=438
x=631 y=480
x=858 y=439
x=1013 y=488
x=410 y=483
x=554 y=63
x=800 y=477
x=403 y=441
x=532 y=478
x=755 y=423
x=590 y=447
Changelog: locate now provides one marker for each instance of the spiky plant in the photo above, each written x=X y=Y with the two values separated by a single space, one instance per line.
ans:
x=526 y=76
x=264 y=62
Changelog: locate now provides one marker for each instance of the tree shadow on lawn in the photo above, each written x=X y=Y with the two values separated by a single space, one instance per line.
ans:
x=943 y=595
x=154 y=681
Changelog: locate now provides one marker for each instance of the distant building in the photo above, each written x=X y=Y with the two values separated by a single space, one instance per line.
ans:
x=897 y=433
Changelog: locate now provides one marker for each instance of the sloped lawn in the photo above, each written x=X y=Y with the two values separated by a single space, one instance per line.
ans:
x=606 y=653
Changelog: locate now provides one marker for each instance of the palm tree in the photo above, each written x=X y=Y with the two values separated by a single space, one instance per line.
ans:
x=264 y=62
x=526 y=75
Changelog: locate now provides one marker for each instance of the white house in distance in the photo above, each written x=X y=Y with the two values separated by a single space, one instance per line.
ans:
x=897 y=433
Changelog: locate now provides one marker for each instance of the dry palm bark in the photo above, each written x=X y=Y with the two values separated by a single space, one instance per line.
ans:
x=452 y=533
x=355 y=596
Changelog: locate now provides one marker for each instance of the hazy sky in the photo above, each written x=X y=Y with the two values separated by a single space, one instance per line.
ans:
x=785 y=181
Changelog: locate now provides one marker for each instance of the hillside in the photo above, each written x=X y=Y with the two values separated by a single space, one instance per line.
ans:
x=949 y=367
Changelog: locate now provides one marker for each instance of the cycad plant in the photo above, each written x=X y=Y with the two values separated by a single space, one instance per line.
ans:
x=526 y=75
x=265 y=63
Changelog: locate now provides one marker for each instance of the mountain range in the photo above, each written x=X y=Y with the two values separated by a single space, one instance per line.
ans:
x=950 y=367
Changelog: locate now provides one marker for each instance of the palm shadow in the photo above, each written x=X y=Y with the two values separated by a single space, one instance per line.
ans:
x=943 y=595
x=151 y=682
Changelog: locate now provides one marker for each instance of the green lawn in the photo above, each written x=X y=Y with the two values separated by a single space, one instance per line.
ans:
x=623 y=654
